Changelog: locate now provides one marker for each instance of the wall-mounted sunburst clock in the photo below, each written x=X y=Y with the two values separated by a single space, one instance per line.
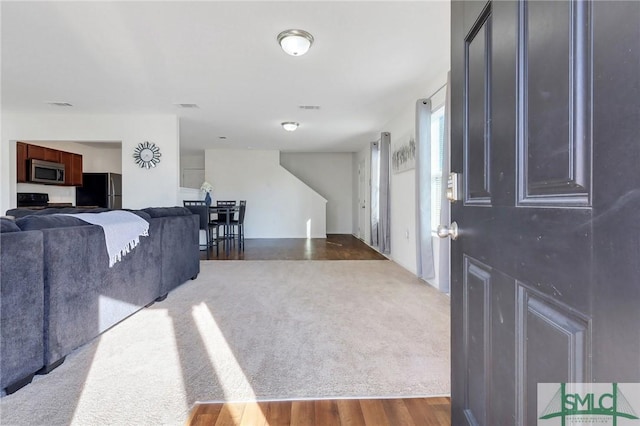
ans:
x=147 y=155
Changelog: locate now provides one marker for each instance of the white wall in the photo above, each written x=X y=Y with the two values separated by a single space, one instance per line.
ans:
x=403 y=194
x=141 y=187
x=191 y=170
x=279 y=205
x=95 y=158
x=330 y=175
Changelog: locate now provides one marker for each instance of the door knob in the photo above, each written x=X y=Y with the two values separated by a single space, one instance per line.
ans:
x=445 y=231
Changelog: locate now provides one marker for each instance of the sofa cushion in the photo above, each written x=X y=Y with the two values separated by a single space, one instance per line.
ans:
x=70 y=210
x=167 y=211
x=22 y=212
x=8 y=225
x=19 y=212
x=35 y=222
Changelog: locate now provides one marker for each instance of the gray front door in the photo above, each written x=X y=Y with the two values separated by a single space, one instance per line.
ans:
x=546 y=270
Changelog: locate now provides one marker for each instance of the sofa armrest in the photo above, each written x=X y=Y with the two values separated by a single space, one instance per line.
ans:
x=22 y=306
x=180 y=250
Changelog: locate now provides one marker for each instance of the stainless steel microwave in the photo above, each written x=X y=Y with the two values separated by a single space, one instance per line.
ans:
x=46 y=172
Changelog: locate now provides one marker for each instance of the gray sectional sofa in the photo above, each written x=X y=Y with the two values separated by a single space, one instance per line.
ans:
x=58 y=291
x=21 y=305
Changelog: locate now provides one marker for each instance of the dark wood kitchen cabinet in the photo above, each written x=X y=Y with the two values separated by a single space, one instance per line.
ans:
x=76 y=170
x=41 y=153
x=21 y=166
x=72 y=168
x=72 y=162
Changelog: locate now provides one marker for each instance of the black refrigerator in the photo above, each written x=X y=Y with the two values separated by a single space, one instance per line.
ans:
x=100 y=189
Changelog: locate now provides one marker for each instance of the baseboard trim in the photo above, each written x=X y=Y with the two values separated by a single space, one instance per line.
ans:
x=324 y=398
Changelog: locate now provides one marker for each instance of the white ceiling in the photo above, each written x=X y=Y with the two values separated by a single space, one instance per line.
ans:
x=369 y=61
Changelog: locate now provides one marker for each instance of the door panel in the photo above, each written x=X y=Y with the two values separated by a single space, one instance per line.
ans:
x=502 y=365
x=545 y=273
x=476 y=335
x=547 y=39
x=477 y=147
x=488 y=323
x=547 y=327
x=554 y=142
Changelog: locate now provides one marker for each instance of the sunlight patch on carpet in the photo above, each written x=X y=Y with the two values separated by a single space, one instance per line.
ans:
x=116 y=357
x=231 y=376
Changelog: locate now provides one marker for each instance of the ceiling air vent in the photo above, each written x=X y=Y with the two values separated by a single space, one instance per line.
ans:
x=59 y=104
x=187 y=105
x=309 y=107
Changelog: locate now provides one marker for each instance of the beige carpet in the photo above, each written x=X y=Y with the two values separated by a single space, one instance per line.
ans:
x=247 y=330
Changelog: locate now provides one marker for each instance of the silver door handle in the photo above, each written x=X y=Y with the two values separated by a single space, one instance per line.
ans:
x=445 y=231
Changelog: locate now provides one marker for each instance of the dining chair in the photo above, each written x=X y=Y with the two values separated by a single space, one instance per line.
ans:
x=222 y=217
x=200 y=208
x=239 y=223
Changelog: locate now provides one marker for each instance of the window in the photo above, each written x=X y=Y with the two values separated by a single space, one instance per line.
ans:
x=437 y=163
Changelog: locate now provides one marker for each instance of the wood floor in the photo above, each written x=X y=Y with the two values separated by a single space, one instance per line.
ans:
x=334 y=247
x=342 y=412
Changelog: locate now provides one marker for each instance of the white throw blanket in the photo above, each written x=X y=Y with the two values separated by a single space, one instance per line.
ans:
x=122 y=230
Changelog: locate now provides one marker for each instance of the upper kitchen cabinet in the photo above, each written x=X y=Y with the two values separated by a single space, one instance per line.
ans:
x=77 y=170
x=72 y=162
x=73 y=168
x=21 y=166
x=41 y=153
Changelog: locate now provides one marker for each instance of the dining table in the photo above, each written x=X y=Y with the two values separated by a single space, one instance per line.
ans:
x=228 y=212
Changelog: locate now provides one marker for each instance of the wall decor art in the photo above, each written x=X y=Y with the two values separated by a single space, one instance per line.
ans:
x=404 y=157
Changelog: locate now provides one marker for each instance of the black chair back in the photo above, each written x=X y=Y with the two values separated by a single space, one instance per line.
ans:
x=222 y=217
x=243 y=208
x=200 y=208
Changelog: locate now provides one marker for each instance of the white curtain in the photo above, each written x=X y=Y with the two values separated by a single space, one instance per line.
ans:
x=375 y=192
x=424 y=247
x=380 y=184
x=444 y=268
x=385 y=202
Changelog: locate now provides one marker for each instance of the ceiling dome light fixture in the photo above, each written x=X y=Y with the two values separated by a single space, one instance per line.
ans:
x=290 y=126
x=295 y=42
